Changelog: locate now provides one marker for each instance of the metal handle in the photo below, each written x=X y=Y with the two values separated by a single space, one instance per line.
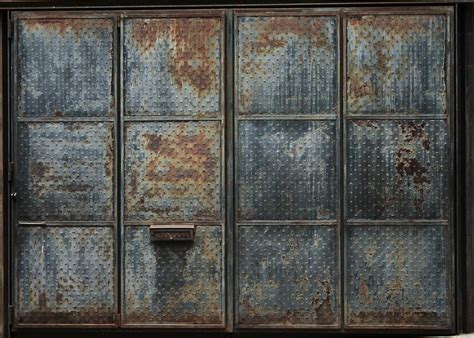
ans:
x=172 y=232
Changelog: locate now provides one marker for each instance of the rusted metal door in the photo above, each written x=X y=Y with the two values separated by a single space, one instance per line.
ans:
x=340 y=160
x=173 y=168
x=398 y=144
x=392 y=107
x=83 y=201
x=65 y=178
x=287 y=118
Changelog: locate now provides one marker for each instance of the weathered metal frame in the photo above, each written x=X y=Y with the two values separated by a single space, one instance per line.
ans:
x=450 y=117
x=229 y=144
x=143 y=118
x=14 y=139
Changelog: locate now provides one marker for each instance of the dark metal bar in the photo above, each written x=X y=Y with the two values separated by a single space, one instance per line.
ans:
x=121 y=185
x=65 y=223
x=3 y=288
x=229 y=158
x=210 y=4
x=289 y=117
x=288 y=222
x=466 y=120
x=22 y=119
x=167 y=118
x=376 y=117
x=420 y=222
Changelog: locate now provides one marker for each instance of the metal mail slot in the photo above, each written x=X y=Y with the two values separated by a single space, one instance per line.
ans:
x=172 y=232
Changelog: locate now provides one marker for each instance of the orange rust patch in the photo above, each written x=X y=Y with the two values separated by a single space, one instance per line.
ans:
x=324 y=312
x=400 y=25
x=192 y=51
x=367 y=123
x=62 y=25
x=363 y=291
x=273 y=32
x=182 y=165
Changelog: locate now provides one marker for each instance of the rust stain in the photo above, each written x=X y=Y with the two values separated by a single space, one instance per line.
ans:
x=359 y=88
x=109 y=163
x=273 y=32
x=396 y=317
x=153 y=142
x=412 y=167
x=406 y=163
x=364 y=295
x=59 y=298
x=385 y=36
x=39 y=169
x=367 y=123
x=100 y=316
x=191 y=54
x=411 y=132
x=187 y=157
x=61 y=26
x=390 y=24
x=382 y=58
x=179 y=167
x=43 y=301
x=74 y=187
x=324 y=313
x=186 y=317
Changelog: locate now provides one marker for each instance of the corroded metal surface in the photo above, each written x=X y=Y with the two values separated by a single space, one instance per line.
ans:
x=287 y=65
x=396 y=64
x=173 y=171
x=397 y=276
x=287 y=170
x=65 y=276
x=65 y=171
x=288 y=275
x=65 y=67
x=397 y=169
x=173 y=283
x=172 y=66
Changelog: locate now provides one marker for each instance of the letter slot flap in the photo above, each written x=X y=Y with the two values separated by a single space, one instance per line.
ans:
x=172 y=232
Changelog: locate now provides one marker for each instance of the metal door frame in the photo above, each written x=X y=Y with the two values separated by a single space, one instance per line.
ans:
x=457 y=162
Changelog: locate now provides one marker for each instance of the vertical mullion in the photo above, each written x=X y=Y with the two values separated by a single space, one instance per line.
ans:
x=229 y=170
x=235 y=183
x=13 y=91
x=121 y=146
x=341 y=164
x=118 y=171
x=343 y=151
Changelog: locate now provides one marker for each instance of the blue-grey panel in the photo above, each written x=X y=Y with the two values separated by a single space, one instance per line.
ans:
x=65 y=67
x=398 y=276
x=173 y=283
x=287 y=170
x=397 y=169
x=65 y=275
x=396 y=64
x=173 y=171
x=288 y=275
x=172 y=66
x=287 y=65
x=65 y=171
